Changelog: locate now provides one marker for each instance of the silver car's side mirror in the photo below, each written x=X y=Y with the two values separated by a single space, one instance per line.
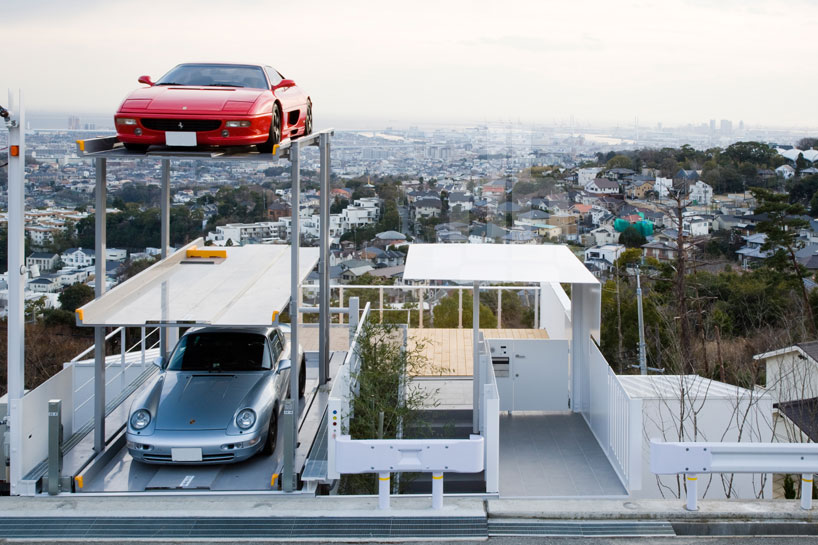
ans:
x=283 y=365
x=159 y=361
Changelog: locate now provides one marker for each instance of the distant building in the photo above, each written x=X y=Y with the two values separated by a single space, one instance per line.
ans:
x=603 y=257
x=602 y=186
x=77 y=258
x=45 y=261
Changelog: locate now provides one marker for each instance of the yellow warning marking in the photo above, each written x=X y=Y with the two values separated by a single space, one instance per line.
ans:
x=692 y=478
x=78 y=480
x=275 y=315
x=807 y=480
x=275 y=149
x=80 y=314
x=194 y=252
x=437 y=477
x=273 y=479
x=383 y=478
x=81 y=144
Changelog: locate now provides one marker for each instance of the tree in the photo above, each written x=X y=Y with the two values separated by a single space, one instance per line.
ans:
x=619 y=161
x=632 y=238
x=808 y=143
x=445 y=312
x=782 y=227
x=75 y=295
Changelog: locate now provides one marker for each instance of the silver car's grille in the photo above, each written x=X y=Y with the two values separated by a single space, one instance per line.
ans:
x=205 y=457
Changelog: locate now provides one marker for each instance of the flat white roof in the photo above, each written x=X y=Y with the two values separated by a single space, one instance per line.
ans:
x=245 y=288
x=496 y=263
x=671 y=386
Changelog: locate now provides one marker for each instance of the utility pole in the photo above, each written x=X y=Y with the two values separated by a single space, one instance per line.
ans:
x=643 y=360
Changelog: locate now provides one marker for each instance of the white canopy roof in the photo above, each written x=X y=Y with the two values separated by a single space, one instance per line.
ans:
x=496 y=263
x=245 y=288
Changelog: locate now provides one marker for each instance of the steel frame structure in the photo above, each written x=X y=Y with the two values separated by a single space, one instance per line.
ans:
x=101 y=150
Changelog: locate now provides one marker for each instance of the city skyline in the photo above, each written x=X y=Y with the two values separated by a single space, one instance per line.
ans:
x=678 y=62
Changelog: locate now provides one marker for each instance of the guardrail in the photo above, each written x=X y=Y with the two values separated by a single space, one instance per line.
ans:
x=690 y=459
x=616 y=420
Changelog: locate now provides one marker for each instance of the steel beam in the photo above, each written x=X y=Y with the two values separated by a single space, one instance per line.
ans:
x=291 y=425
x=323 y=264
x=100 y=250
x=476 y=357
x=167 y=335
x=16 y=280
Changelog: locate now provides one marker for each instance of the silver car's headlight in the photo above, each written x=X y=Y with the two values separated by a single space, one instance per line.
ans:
x=140 y=419
x=246 y=418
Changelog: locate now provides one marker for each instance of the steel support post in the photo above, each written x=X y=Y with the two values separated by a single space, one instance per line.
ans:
x=692 y=492
x=323 y=263
x=806 y=491
x=475 y=320
x=354 y=313
x=100 y=251
x=437 y=490
x=54 y=446
x=499 y=309
x=290 y=425
x=167 y=335
x=383 y=490
x=17 y=281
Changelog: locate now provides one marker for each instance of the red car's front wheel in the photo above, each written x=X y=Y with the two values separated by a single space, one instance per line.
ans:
x=275 y=132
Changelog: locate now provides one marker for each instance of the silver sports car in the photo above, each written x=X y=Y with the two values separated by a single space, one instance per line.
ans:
x=216 y=400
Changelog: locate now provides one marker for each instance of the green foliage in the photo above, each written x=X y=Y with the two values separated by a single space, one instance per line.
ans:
x=632 y=238
x=135 y=228
x=619 y=161
x=384 y=387
x=75 y=295
x=756 y=153
x=782 y=228
x=446 y=312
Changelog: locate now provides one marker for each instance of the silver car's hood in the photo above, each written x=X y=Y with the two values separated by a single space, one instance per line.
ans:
x=202 y=401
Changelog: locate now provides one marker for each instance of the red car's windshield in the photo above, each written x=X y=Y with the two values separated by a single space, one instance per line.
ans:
x=217 y=75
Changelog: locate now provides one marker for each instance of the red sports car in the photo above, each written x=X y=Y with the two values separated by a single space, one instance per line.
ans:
x=205 y=104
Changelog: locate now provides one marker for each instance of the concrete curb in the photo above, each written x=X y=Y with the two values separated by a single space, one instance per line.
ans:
x=666 y=510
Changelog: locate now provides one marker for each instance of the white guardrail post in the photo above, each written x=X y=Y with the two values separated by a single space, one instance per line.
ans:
x=692 y=459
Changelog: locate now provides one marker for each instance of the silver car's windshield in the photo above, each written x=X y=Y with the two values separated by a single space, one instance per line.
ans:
x=215 y=75
x=220 y=352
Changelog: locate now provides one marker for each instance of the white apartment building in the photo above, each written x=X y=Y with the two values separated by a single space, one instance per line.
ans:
x=587 y=175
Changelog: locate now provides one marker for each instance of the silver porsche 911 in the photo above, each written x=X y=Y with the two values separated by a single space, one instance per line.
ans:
x=216 y=400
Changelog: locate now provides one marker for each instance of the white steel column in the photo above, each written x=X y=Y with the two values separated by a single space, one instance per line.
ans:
x=167 y=335
x=16 y=280
x=383 y=490
x=437 y=490
x=475 y=320
x=100 y=251
x=806 y=491
x=323 y=263
x=692 y=492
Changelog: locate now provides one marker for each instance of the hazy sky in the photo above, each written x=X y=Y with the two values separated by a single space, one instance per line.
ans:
x=446 y=61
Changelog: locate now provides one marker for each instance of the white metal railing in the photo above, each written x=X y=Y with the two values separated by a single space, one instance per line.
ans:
x=339 y=404
x=692 y=458
x=616 y=420
x=125 y=360
x=418 y=300
x=490 y=419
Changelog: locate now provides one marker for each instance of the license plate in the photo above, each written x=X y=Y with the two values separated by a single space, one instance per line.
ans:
x=186 y=454
x=180 y=138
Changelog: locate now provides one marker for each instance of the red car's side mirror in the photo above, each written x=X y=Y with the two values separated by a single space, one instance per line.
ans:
x=284 y=83
x=146 y=80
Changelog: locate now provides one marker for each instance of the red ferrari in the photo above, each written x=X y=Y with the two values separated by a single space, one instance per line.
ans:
x=205 y=104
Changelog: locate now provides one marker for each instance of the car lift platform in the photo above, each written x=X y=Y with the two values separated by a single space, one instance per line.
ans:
x=118 y=473
x=198 y=285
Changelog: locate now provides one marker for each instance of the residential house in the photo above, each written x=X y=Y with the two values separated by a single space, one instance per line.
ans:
x=602 y=186
x=460 y=199
x=426 y=208
x=751 y=252
x=605 y=235
x=603 y=257
x=587 y=175
x=77 y=258
x=44 y=261
x=660 y=249
x=785 y=171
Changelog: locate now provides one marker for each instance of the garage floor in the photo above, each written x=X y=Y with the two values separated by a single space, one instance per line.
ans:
x=548 y=455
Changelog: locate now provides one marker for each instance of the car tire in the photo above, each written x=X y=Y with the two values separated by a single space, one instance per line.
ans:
x=272 y=434
x=308 y=120
x=141 y=148
x=275 y=132
x=302 y=378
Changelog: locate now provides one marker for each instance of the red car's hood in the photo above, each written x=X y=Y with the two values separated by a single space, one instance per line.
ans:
x=190 y=100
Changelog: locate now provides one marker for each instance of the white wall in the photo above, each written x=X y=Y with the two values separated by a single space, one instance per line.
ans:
x=555 y=311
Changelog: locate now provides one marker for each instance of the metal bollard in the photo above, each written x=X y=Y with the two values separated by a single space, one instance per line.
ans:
x=383 y=490
x=806 y=491
x=54 y=446
x=692 y=493
x=288 y=472
x=437 y=490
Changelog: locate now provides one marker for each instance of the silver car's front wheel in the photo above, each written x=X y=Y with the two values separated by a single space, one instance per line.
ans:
x=272 y=434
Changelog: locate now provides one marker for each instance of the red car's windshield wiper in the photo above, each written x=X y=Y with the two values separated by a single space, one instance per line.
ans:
x=223 y=85
x=169 y=83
